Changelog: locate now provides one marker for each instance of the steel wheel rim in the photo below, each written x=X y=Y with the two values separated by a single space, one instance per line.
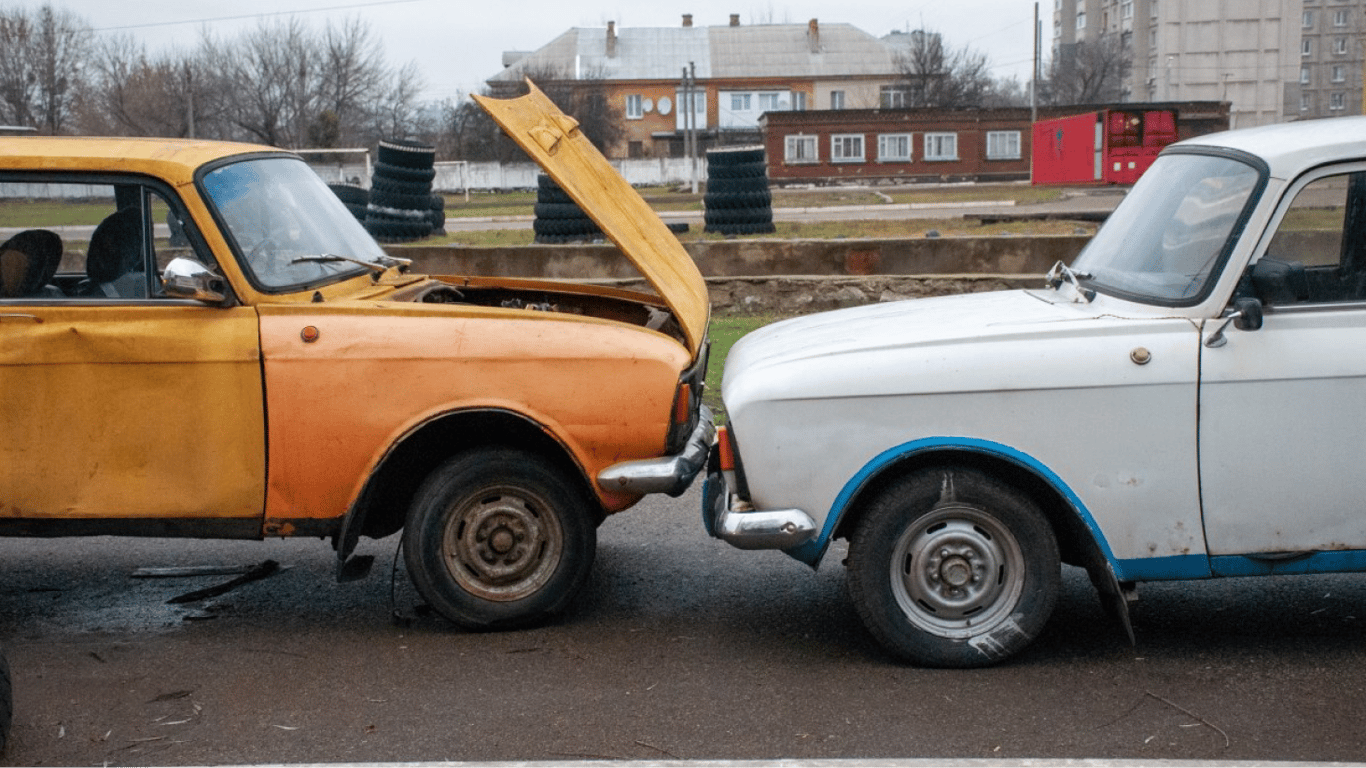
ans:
x=957 y=572
x=502 y=544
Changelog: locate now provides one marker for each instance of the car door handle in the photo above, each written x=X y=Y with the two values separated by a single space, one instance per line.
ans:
x=21 y=316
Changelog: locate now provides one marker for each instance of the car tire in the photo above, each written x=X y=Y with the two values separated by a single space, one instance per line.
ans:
x=406 y=153
x=499 y=539
x=422 y=176
x=757 y=170
x=6 y=703
x=951 y=568
x=383 y=184
x=351 y=194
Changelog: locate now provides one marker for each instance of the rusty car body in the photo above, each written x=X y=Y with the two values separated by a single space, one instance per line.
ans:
x=228 y=354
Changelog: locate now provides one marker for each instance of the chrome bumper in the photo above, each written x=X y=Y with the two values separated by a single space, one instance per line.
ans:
x=744 y=527
x=669 y=474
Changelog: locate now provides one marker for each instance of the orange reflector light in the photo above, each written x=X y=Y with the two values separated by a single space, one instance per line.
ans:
x=682 y=404
x=725 y=454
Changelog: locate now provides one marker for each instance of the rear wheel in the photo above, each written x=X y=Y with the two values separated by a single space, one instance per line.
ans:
x=499 y=538
x=951 y=568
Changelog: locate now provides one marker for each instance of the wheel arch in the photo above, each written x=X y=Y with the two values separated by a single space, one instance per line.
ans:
x=383 y=503
x=1080 y=540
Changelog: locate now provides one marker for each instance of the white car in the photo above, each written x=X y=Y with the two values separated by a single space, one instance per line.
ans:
x=1185 y=401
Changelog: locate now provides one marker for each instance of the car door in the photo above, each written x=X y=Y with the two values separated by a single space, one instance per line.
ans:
x=1282 y=407
x=123 y=410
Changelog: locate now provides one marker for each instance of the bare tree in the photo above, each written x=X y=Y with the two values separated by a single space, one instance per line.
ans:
x=352 y=79
x=41 y=60
x=1088 y=72
x=934 y=76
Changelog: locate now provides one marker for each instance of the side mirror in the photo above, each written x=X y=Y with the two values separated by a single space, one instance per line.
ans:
x=188 y=279
x=1277 y=281
x=1246 y=316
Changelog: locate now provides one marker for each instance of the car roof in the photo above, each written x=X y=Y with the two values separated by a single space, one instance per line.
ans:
x=1291 y=148
x=174 y=160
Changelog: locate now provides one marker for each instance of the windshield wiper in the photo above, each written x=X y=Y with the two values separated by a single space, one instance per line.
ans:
x=382 y=265
x=1061 y=273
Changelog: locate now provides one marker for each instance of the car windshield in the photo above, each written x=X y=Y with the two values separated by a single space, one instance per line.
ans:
x=1165 y=242
x=281 y=217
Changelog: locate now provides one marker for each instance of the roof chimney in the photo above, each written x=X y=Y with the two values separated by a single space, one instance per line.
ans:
x=813 y=35
x=611 y=39
x=687 y=19
x=735 y=19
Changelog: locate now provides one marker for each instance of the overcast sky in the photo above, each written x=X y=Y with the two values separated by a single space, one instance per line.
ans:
x=459 y=44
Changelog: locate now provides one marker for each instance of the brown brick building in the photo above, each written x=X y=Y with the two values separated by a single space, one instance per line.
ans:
x=924 y=145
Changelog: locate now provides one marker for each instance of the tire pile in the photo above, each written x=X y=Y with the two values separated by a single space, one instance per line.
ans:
x=355 y=197
x=401 y=206
x=738 y=200
x=558 y=218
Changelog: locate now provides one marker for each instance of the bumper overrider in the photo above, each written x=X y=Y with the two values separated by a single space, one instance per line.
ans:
x=667 y=474
x=735 y=521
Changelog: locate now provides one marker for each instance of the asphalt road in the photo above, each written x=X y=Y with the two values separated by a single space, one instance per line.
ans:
x=682 y=648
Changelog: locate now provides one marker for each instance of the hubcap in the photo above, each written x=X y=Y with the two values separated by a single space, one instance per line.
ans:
x=956 y=570
x=503 y=544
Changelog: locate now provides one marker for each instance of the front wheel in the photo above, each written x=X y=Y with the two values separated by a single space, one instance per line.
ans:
x=499 y=538
x=950 y=568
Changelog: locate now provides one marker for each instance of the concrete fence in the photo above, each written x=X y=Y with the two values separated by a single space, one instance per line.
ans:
x=784 y=276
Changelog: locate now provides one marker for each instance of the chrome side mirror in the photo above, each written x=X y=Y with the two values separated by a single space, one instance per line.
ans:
x=188 y=279
x=1247 y=316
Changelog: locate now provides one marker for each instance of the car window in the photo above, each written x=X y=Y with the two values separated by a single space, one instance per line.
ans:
x=87 y=240
x=1319 y=244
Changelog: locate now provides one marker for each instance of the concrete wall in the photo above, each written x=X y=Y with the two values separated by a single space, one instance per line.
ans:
x=747 y=258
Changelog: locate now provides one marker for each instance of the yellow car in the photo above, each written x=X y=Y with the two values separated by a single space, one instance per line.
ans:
x=228 y=354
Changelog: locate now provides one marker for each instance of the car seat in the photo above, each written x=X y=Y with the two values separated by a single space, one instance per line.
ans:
x=28 y=261
x=113 y=262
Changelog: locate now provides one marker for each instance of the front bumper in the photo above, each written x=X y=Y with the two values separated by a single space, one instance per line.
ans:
x=728 y=518
x=667 y=474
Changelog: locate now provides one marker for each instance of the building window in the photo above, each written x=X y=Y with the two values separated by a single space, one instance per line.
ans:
x=894 y=148
x=1304 y=75
x=739 y=102
x=846 y=148
x=1307 y=20
x=1306 y=47
x=1336 y=101
x=1126 y=9
x=1340 y=46
x=799 y=101
x=893 y=96
x=1304 y=102
x=1339 y=73
x=800 y=149
x=1081 y=19
x=1003 y=145
x=837 y=99
x=769 y=102
x=634 y=107
x=941 y=146
x=1340 y=17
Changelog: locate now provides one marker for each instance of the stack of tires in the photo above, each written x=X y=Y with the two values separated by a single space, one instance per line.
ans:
x=402 y=206
x=355 y=197
x=738 y=200
x=558 y=218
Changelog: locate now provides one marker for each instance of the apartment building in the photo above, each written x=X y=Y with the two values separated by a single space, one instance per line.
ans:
x=739 y=73
x=1272 y=60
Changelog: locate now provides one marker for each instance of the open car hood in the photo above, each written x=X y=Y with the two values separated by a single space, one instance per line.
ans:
x=554 y=141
